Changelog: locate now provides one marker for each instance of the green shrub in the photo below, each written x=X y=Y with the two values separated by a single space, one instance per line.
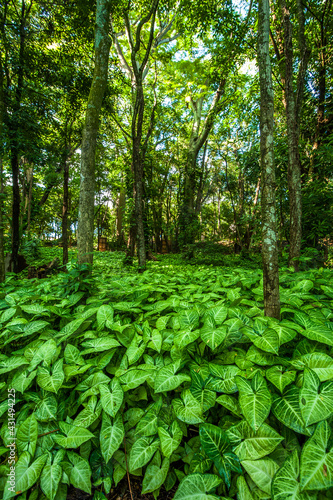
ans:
x=183 y=369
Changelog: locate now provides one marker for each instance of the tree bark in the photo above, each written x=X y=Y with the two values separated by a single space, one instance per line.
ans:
x=64 y=220
x=88 y=148
x=2 y=116
x=269 y=233
x=293 y=107
x=188 y=220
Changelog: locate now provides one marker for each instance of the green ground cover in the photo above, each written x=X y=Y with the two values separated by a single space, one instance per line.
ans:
x=175 y=375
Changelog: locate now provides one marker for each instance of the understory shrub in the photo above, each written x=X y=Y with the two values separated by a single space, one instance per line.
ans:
x=175 y=376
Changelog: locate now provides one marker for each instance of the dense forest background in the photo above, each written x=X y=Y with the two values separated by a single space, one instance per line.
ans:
x=177 y=135
x=190 y=142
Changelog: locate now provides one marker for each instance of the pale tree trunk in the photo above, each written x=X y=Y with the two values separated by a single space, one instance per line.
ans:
x=188 y=221
x=293 y=107
x=88 y=147
x=121 y=205
x=2 y=116
x=269 y=233
x=30 y=177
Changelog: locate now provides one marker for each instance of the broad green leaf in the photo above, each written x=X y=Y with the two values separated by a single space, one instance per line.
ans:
x=286 y=485
x=155 y=476
x=217 y=447
x=104 y=316
x=46 y=408
x=316 y=400
x=186 y=337
x=75 y=436
x=217 y=313
x=287 y=409
x=280 y=376
x=243 y=492
x=268 y=342
x=21 y=381
x=254 y=399
x=188 y=319
x=25 y=475
x=27 y=433
x=69 y=330
x=98 y=345
x=320 y=333
x=148 y=422
x=12 y=363
x=225 y=380
x=112 y=398
x=89 y=414
x=44 y=354
x=231 y=403
x=80 y=473
x=133 y=377
x=316 y=462
x=261 y=472
x=170 y=440
x=51 y=381
x=198 y=487
x=318 y=362
x=167 y=380
x=111 y=435
x=250 y=445
x=50 y=479
x=212 y=335
x=73 y=355
x=142 y=451
x=188 y=409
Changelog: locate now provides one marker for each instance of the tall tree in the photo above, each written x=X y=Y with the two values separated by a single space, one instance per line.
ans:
x=269 y=233
x=88 y=146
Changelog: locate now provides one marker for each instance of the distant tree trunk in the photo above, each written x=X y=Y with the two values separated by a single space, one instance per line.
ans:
x=64 y=220
x=188 y=219
x=14 y=142
x=2 y=116
x=88 y=147
x=293 y=107
x=269 y=233
x=121 y=205
x=30 y=178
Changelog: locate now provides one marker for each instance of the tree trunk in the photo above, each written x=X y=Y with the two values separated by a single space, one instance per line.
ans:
x=2 y=116
x=88 y=147
x=269 y=233
x=14 y=146
x=30 y=177
x=293 y=106
x=64 y=220
x=121 y=205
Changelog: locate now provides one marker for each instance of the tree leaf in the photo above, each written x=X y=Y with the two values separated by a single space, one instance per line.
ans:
x=50 y=480
x=280 y=377
x=170 y=440
x=287 y=410
x=27 y=435
x=188 y=409
x=154 y=476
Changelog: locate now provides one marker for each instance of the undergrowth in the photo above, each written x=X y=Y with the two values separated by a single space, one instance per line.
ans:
x=174 y=375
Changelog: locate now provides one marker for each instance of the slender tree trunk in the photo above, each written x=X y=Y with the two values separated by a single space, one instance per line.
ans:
x=88 y=148
x=121 y=205
x=30 y=178
x=64 y=220
x=269 y=233
x=14 y=146
x=2 y=116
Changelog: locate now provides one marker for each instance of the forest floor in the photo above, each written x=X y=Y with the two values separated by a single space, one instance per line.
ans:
x=161 y=363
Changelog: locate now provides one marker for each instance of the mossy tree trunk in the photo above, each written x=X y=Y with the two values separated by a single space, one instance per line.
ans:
x=88 y=147
x=269 y=233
